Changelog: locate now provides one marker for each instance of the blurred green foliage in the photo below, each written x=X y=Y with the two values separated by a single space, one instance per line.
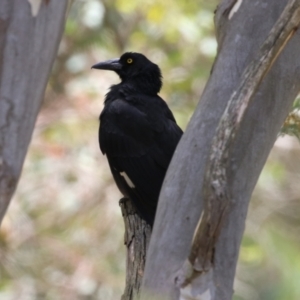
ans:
x=291 y=125
x=62 y=237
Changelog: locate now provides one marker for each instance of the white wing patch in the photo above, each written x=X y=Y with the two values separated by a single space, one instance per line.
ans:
x=127 y=179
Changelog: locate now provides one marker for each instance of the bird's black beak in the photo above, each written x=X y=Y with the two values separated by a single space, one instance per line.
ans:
x=112 y=64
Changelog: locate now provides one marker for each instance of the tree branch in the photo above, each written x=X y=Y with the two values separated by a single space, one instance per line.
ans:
x=217 y=194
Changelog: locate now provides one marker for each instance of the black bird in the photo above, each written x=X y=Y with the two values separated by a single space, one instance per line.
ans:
x=138 y=132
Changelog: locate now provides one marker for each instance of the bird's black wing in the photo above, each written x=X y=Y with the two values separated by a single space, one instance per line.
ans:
x=139 y=135
x=167 y=133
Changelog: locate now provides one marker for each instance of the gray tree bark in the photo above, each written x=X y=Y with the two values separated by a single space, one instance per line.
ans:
x=136 y=239
x=242 y=27
x=30 y=32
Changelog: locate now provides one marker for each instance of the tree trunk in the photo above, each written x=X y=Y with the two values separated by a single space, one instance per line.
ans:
x=30 y=32
x=242 y=27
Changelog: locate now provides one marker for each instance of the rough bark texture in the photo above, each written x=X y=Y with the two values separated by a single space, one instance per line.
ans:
x=29 y=38
x=240 y=35
x=137 y=238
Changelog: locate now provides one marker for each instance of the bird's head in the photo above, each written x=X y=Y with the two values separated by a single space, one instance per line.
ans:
x=136 y=69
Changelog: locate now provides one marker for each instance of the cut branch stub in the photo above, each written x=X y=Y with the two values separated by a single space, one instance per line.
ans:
x=137 y=238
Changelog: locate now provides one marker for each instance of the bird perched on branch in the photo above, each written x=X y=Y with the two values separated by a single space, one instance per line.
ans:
x=138 y=132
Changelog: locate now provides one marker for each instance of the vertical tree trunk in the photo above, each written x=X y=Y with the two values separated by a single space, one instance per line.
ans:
x=30 y=32
x=242 y=27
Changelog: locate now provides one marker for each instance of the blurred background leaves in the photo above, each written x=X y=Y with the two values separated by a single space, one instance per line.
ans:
x=62 y=237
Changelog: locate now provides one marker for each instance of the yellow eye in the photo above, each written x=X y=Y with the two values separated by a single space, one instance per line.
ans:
x=129 y=60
